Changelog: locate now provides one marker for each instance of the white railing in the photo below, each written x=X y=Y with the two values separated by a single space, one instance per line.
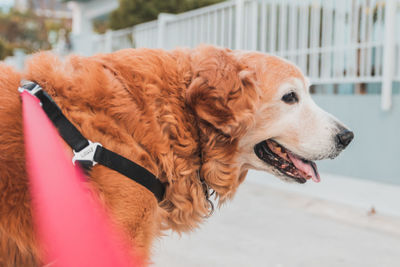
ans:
x=331 y=41
x=146 y=34
x=341 y=41
x=212 y=25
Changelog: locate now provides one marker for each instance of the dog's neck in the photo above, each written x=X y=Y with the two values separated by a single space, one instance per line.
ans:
x=218 y=169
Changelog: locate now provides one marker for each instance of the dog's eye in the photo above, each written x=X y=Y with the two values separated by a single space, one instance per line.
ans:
x=290 y=98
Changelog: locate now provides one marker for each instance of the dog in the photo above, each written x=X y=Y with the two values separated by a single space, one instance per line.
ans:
x=198 y=119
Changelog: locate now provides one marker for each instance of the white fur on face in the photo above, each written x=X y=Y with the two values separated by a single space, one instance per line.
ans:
x=303 y=128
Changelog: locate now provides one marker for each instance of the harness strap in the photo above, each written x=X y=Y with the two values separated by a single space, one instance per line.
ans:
x=130 y=169
x=87 y=153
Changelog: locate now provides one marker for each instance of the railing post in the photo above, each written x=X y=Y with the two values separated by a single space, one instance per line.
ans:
x=254 y=25
x=20 y=57
x=81 y=28
x=163 y=18
x=108 y=47
x=388 y=54
x=239 y=24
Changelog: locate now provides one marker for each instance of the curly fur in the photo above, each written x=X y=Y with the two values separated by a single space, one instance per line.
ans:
x=178 y=114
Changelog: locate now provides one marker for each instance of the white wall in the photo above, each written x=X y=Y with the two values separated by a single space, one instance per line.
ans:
x=374 y=152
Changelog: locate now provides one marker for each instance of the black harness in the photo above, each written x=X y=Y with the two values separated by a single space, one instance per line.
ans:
x=87 y=153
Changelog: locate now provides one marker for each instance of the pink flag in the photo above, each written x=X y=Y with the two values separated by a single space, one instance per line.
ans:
x=71 y=225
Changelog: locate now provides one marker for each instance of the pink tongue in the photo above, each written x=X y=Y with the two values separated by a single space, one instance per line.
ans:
x=305 y=167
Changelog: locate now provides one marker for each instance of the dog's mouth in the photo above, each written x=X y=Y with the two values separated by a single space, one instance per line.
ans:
x=286 y=162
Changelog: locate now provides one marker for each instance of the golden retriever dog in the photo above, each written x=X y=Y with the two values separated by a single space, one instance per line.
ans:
x=197 y=119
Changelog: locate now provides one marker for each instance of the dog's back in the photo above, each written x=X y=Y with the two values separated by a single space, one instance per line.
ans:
x=119 y=100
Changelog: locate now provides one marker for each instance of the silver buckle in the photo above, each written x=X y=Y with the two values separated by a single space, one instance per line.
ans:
x=35 y=89
x=87 y=153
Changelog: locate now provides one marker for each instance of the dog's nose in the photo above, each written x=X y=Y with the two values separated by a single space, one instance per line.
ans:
x=344 y=138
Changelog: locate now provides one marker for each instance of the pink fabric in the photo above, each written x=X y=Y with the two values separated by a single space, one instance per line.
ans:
x=72 y=226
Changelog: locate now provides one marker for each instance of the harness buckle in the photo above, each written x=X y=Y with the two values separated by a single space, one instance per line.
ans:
x=30 y=87
x=86 y=154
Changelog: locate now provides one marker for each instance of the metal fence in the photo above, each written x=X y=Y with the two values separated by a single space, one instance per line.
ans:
x=333 y=42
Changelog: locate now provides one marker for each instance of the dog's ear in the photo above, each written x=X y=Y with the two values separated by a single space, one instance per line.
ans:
x=222 y=91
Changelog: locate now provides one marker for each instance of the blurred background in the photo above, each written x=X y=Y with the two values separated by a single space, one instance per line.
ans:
x=350 y=50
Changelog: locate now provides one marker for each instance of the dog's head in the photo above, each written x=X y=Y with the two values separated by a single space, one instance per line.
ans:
x=255 y=112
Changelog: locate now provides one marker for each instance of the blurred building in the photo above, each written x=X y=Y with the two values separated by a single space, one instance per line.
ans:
x=44 y=8
x=84 y=12
x=5 y=5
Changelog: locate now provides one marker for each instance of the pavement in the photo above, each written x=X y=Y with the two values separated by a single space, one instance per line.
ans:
x=273 y=225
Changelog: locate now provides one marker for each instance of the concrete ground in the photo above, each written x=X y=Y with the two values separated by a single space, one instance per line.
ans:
x=269 y=226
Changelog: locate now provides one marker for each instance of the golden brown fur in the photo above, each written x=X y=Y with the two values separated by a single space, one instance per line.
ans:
x=177 y=113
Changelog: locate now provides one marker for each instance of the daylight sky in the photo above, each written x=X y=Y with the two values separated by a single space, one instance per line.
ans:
x=6 y=4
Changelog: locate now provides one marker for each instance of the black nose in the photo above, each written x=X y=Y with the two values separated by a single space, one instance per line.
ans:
x=344 y=138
